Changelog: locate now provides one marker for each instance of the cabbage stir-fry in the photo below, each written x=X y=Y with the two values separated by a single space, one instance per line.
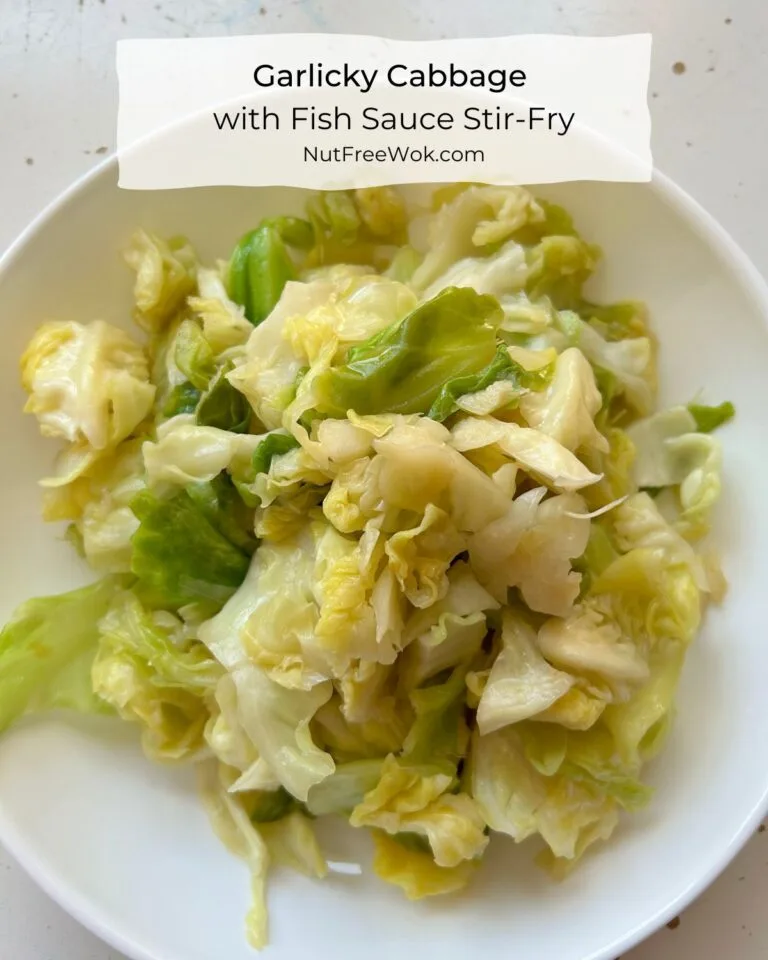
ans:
x=388 y=527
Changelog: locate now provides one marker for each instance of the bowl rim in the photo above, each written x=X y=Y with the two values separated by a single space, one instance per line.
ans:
x=80 y=907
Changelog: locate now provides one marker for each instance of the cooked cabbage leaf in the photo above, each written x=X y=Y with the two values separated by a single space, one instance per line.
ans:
x=275 y=718
x=223 y=320
x=291 y=842
x=640 y=725
x=521 y=683
x=450 y=632
x=98 y=503
x=222 y=406
x=87 y=384
x=151 y=676
x=222 y=506
x=277 y=721
x=629 y=361
x=531 y=547
x=235 y=830
x=439 y=731
x=273 y=445
x=46 y=646
x=266 y=806
x=671 y=453
x=570 y=813
x=501 y=370
x=185 y=452
x=476 y=218
x=356 y=226
x=403 y=368
x=345 y=788
x=566 y=409
x=533 y=450
x=179 y=556
x=497 y=274
x=415 y=871
x=408 y=801
x=183 y=398
x=710 y=418
x=558 y=268
x=337 y=307
x=261 y=264
x=165 y=276
x=192 y=354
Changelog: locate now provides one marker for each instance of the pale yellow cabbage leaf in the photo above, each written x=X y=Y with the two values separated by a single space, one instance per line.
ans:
x=88 y=384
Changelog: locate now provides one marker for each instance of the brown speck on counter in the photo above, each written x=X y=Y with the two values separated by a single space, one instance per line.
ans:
x=100 y=150
x=29 y=161
x=654 y=95
x=761 y=828
x=710 y=69
x=263 y=11
x=688 y=143
x=728 y=21
x=678 y=67
x=674 y=923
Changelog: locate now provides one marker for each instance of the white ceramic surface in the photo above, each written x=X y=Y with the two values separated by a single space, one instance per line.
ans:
x=125 y=846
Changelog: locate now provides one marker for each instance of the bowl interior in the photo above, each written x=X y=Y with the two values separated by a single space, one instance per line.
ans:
x=126 y=846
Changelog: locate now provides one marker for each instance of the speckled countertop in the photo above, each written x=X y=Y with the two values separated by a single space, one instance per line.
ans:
x=58 y=102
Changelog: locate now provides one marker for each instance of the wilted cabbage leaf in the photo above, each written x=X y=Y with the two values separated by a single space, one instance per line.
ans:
x=185 y=452
x=98 y=504
x=46 y=646
x=670 y=452
x=150 y=676
x=521 y=683
x=406 y=800
x=415 y=871
x=566 y=410
x=403 y=368
x=234 y=828
x=179 y=556
x=165 y=276
x=534 y=450
x=709 y=418
x=87 y=384
x=569 y=812
x=475 y=218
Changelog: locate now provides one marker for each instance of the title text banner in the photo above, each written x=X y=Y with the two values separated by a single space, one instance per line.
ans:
x=334 y=111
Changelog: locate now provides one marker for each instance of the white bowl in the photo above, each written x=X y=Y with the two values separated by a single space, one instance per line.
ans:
x=124 y=845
